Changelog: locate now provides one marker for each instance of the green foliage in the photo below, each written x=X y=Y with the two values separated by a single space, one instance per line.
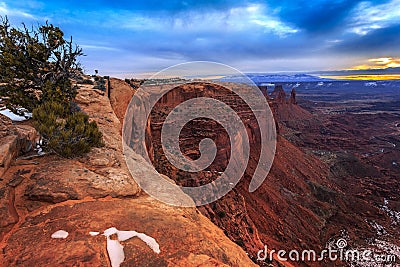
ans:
x=36 y=65
x=86 y=81
x=67 y=134
x=100 y=84
x=36 y=68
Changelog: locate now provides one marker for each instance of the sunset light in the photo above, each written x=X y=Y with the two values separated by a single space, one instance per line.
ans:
x=379 y=63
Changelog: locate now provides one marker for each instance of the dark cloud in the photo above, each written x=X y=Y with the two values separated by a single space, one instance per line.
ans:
x=376 y=43
x=194 y=46
x=320 y=16
x=134 y=34
x=148 y=6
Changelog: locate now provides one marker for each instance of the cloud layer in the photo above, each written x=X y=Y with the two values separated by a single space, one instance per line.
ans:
x=124 y=37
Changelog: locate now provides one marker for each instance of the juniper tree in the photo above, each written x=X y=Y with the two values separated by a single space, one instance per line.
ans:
x=66 y=134
x=36 y=68
x=36 y=65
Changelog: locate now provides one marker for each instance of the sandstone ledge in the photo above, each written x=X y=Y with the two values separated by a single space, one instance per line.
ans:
x=185 y=236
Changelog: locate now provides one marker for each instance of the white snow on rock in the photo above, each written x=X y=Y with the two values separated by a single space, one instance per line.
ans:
x=394 y=215
x=13 y=116
x=125 y=235
x=371 y=84
x=151 y=242
x=110 y=231
x=380 y=230
x=116 y=250
x=388 y=247
x=94 y=233
x=378 y=248
x=60 y=234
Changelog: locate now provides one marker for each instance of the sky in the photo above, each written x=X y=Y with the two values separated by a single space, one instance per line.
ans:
x=131 y=38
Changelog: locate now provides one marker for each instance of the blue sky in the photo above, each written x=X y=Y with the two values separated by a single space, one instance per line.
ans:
x=121 y=38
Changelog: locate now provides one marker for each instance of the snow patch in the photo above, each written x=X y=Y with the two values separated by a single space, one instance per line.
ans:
x=268 y=84
x=377 y=248
x=13 y=116
x=380 y=230
x=60 y=234
x=110 y=231
x=394 y=215
x=151 y=242
x=371 y=84
x=116 y=250
x=388 y=247
x=94 y=233
x=392 y=144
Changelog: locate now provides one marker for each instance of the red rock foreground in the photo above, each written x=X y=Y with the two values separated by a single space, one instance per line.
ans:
x=39 y=196
x=186 y=238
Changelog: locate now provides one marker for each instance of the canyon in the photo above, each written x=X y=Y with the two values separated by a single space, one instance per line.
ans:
x=321 y=186
x=43 y=194
x=329 y=180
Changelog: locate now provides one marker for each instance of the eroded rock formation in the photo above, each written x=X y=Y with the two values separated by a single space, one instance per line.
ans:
x=14 y=140
x=301 y=204
x=93 y=193
x=306 y=200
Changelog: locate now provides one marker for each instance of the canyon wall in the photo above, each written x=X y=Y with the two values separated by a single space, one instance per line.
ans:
x=302 y=204
x=41 y=195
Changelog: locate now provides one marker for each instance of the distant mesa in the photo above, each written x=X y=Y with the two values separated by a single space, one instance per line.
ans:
x=292 y=99
x=279 y=95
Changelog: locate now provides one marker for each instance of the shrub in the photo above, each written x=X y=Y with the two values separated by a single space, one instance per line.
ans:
x=67 y=134
x=36 y=66
x=86 y=81
x=100 y=84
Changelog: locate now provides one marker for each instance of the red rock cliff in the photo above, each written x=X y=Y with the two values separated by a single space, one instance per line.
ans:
x=93 y=193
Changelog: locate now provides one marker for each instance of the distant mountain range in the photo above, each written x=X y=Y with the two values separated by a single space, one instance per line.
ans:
x=261 y=78
x=357 y=72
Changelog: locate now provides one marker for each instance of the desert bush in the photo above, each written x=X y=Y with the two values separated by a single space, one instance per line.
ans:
x=67 y=134
x=86 y=81
x=37 y=66
x=100 y=84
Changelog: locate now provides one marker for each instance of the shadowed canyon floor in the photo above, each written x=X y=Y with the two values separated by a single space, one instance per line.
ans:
x=318 y=190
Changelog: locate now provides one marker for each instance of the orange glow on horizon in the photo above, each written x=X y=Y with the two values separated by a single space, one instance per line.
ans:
x=379 y=64
x=380 y=77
